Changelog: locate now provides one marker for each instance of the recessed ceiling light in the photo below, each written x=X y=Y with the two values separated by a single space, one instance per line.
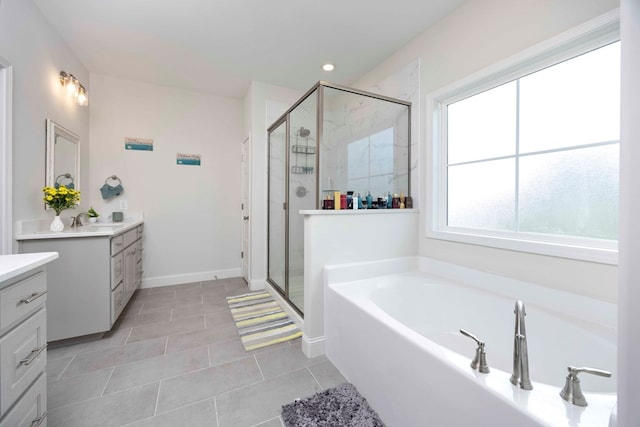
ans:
x=328 y=67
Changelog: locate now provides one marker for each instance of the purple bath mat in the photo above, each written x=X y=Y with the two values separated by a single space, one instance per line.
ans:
x=341 y=406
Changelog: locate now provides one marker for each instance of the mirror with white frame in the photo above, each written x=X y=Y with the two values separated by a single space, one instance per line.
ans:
x=63 y=157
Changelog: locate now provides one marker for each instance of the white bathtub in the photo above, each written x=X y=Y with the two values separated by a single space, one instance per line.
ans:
x=395 y=337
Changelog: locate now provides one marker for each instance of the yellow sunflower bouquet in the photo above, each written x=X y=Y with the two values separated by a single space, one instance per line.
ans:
x=60 y=198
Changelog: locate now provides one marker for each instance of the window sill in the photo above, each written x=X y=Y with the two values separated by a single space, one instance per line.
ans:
x=571 y=249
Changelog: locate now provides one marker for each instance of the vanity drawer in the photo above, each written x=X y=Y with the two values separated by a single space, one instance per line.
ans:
x=117 y=269
x=21 y=299
x=118 y=301
x=139 y=251
x=23 y=356
x=130 y=237
x=140 y=230
x=31 y=409
x=117 y=244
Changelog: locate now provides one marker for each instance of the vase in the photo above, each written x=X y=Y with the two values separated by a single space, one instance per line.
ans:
x=56 y=224
x=93 y=219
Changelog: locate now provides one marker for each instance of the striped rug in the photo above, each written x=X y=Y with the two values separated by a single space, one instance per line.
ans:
x=261 y=321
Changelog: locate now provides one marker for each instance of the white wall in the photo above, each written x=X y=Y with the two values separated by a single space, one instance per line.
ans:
x=347 y=236
x=263 y=104
x=476 y=35
x=38 y=54
x=192 y=213
x=629 y=301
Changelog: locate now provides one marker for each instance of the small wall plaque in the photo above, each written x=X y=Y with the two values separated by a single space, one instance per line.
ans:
x=141 y=144
x=188 y=159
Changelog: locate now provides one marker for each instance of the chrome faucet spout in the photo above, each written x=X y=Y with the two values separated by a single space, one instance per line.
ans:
x=76 y=221
x=520 y=376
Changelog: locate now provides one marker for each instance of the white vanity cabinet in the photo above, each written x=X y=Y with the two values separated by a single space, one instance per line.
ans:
x=23 y=339
x=126 y=269
x=92 y=281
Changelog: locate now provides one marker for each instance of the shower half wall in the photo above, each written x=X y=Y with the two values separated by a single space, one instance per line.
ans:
x=334 y=138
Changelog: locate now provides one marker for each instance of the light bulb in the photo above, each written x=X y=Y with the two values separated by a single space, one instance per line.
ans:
x=73 y=86
x=328 y=67
x=82 y=98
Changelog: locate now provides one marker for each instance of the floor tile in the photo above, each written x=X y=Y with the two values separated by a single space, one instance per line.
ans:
x=160 y=379
x=177 y=302
x=285 y=359
x=155 y=297
x=226 y=351
x=215 y=300
x=199 y=385
x=201 y=308
x=157 y=368
x=109 y=340
x=182 y=342
x=111 y=410
x=276 y=422
x=219 y=318
x=135 y=319
x=101 y=359
x=212 y=287
x=327 y=375
x=265 y=399
x=76 y=389
x=155 y=330
x=56 y=366
x=183 y=286
x=201 y=414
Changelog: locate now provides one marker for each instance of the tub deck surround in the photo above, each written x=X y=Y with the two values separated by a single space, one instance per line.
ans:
x=339 y=236
x=403 y=325
x=39 y=228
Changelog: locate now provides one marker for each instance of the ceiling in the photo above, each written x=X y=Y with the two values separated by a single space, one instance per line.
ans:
x=220 y=46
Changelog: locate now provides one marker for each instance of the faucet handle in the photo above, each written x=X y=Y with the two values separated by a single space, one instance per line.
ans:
x=479 y=362
x=572 y=392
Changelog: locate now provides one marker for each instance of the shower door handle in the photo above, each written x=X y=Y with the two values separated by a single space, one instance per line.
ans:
x=245 y=218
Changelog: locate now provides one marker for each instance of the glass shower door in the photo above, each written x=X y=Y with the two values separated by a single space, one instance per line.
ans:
x=277 y=192
x=303 y=131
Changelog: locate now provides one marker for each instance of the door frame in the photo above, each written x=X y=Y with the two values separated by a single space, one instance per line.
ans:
x=245 y=208
x=6 y=157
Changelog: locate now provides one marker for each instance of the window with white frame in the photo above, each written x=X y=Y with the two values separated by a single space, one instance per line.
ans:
x=531 y=161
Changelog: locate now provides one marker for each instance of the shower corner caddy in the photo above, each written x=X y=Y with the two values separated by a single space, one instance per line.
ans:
x=304 y=150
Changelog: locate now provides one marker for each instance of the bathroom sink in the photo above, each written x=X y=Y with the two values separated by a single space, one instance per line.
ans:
x=106 y=224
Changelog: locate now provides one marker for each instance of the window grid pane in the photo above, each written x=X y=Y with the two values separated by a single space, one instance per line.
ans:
x=570 y=188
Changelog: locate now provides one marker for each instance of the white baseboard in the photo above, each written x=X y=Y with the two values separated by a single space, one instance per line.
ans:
x=313 y=347
x=178 y=279
x=256 y=285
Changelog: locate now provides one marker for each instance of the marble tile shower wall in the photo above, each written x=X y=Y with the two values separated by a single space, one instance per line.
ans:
x=405 y=85
x=350 y=117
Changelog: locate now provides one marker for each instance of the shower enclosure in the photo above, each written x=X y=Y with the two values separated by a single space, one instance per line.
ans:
x=332 y=139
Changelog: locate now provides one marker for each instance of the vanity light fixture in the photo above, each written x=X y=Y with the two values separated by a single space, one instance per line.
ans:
x=83 y=98
x=328 y=67
x=74 y=88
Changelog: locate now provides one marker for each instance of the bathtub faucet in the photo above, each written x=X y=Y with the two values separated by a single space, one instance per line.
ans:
x=520 y=376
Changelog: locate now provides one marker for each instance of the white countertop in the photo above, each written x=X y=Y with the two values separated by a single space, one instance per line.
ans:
x=39 y=229
x=14 y=265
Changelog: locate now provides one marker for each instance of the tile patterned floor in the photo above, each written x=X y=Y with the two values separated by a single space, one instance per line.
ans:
x=174 y=358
